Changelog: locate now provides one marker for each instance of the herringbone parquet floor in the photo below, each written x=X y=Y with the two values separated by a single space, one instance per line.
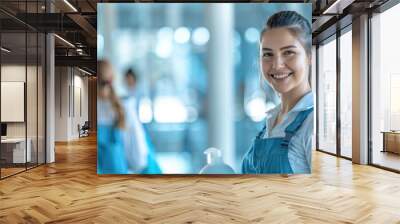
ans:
x=70 y=191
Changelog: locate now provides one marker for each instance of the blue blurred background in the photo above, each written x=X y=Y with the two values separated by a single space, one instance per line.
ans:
x=199 y=80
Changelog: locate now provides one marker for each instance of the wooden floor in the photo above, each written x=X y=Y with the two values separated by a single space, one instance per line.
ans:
x=5 y=172
x=70 y=191
x=10 y=171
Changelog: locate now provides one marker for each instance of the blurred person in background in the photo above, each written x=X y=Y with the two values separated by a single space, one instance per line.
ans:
x=139 y=150
x=284 y=144
x=110 y=125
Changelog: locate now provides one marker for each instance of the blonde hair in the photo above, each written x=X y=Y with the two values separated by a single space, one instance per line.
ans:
x=114 y=100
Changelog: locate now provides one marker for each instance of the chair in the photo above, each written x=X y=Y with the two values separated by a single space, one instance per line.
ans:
x=84 y=130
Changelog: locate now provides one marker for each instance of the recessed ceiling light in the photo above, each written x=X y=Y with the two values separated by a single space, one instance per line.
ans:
x=65 y=41
x=84 y=71
x=71 y=6
x=5 y=50
x=337 y=7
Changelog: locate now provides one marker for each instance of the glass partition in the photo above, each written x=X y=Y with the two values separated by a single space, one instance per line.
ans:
x=31 y=98
x=346 y=93
x=385 y=85
x=13 y=104
x=22 y=91
x=41 y=109
x=327 y=96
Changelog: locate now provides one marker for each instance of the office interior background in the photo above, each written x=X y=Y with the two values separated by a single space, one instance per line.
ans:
x=25 y=49
x=48 y=87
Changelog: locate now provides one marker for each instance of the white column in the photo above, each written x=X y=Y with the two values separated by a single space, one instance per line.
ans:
x=50 y=92
x=221 y=80
x=50 y=99
x=314 y=89
x=360 y=90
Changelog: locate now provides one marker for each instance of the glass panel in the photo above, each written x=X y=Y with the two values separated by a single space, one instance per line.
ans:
x=385 y=90
x=346 y=94
x=327 y=97
x=31 y=88
x=41 y=99
x=13 y=86
x=23 y=84
x=31 y=97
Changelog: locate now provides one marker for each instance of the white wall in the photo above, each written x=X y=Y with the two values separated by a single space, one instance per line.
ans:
x=71 y=87
x=79 y=117
x=16 y=73
x=61 y=103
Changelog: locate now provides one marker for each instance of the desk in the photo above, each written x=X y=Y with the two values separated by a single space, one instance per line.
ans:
x=15 y=148
x=391 y=141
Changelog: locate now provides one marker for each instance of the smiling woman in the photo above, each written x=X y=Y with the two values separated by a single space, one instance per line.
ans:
x=284 y=144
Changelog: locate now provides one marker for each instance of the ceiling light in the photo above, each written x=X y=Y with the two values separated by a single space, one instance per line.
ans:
x=86 y=72
x=326 y=11
x=5 y=50
x=65 y=41
x=337 y=7
x=71 y=6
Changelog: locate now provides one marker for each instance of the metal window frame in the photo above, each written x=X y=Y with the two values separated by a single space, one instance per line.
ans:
x=389 y=4
x=339 y=32
x=386 y=6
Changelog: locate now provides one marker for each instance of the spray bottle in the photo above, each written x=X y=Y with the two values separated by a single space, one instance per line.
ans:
x=215 y=164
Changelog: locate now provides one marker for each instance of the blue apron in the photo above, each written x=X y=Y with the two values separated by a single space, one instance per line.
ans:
x=270 y=155
x=111 y=157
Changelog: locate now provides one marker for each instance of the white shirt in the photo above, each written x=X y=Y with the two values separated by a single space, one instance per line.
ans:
x=136 y=147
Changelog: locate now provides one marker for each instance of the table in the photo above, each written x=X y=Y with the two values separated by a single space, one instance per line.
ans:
x=391 y=141
x=13 y=150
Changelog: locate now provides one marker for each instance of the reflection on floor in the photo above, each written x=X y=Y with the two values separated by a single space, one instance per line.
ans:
x=11 y=168
x=9 y=171
x=387 y=159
